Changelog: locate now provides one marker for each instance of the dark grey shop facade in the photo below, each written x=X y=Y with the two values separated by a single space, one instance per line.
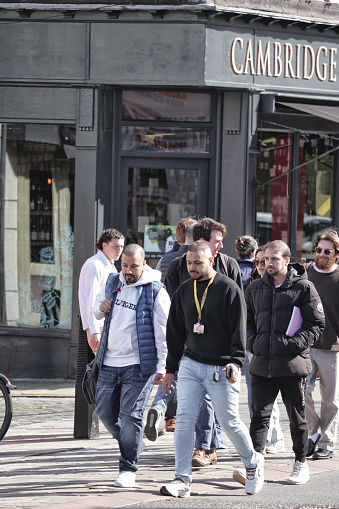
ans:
x=136 y=116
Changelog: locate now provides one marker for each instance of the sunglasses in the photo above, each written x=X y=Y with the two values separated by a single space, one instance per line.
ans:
x=326 y=251
x=259 y=262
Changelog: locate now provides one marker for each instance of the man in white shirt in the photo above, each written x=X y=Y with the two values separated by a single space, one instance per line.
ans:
x=93 y=275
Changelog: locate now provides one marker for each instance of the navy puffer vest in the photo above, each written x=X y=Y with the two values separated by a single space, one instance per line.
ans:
x=144 y=319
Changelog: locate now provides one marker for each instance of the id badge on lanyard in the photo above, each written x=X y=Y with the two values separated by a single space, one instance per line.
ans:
x=199 y=328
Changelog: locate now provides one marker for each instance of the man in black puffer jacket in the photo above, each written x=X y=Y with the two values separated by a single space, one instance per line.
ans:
x=281 y=362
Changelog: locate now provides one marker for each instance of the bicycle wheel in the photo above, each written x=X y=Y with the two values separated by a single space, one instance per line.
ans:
x=6 y=409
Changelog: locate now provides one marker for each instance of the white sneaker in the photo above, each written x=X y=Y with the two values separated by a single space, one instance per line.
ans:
x=255 y=477
x=300 y=473
x=125 y=479
x=275 y=447
x=176 y=488
x=239 y=475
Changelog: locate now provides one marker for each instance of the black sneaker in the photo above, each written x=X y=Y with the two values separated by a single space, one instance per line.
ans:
x=152 y=424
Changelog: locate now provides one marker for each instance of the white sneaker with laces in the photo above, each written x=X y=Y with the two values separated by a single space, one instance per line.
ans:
x=275 y=447
x=176 y=488
x=255 y=477
x=126 y=479
x=300 y=473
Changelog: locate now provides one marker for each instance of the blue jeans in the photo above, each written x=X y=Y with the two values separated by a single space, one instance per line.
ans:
x=121 y=398
x=207 y=427
x=195 y=380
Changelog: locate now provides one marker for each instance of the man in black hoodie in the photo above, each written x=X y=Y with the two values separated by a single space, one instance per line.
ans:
x=281 y=361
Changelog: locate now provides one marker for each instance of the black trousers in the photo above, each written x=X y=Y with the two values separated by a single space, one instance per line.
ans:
x=264 y=393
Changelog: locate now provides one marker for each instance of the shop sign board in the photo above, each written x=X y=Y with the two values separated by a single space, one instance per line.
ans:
x=267 y=59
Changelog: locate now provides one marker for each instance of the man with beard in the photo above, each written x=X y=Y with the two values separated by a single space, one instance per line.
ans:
x=324 y=273
x=132 y=353
x=282 y=361
x=208 y=431
x=206 y=331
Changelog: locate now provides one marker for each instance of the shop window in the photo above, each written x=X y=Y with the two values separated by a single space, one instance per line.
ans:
x=156 y=105
x=41 y=216
x=273 y=203
x=157 y=199
x=314 y=197
x=164 y=139
x=163 y=190
x=36 y=232
x=315 y=191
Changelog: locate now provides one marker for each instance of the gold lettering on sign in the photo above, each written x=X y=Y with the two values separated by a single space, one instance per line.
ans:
x=249 y=58
x=233 y=66
x=333 y=65
x=264 y=62
x=288 y=60
x=296 y=61
x=277 y=65
x=308 y=50
x=321 y=75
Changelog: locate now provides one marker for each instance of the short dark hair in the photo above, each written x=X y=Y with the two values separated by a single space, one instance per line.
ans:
x=260 y=249
x=181 y=228
x=331 y=235
x=108 y=235
x=280 y=246
x=245 y=245
x=199 y=245
x=204 y=228
x=132 y=250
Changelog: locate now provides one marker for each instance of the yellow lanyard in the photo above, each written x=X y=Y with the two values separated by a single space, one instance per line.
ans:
x=200 y=306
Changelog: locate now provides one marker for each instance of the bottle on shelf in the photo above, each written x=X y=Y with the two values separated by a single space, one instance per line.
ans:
x=34 y=232
x=47 y=230
x=40 y=203
x=42 y=229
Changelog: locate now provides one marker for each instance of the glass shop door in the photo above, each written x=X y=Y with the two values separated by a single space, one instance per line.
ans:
x=160 y=193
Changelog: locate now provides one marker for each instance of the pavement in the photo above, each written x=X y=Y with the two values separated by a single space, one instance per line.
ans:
x=42 y=465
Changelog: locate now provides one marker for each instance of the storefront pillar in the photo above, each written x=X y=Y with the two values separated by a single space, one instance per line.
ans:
x=236 y=142
x=85 y=233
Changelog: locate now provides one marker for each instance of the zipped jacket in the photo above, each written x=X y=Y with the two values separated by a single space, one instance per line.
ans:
x=269 y=311
x=144 y=323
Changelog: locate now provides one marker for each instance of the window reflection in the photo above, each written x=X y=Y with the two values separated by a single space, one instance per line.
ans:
x=273 y=198
x=314 y=205
x=156 y=105
x=157 y=199
x=36 y=233
x=165 y=139
x=315 y=191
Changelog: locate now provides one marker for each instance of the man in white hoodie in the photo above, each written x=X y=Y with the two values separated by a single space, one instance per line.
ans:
x=132 y=353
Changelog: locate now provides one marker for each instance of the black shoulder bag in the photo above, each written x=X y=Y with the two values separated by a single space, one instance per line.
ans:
x=89 y=381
